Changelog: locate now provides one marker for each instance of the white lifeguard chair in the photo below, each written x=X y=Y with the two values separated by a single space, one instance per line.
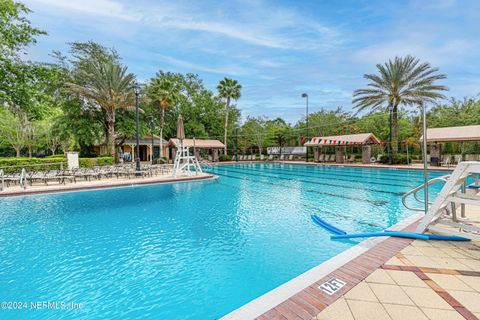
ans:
x=184 y=162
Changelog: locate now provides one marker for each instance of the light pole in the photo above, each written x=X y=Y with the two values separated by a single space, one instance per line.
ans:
x=151 y=118
x=236 y=143
x=304 y=95
x=390 y=108
x=137 y=151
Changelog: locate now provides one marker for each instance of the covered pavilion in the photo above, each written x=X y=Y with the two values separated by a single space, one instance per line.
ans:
x=365 y=140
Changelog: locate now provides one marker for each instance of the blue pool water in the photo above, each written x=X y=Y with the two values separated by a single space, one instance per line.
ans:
x=193 y=250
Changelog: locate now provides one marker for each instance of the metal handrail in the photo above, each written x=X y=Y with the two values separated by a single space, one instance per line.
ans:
x=23 y=177
x=415 y=190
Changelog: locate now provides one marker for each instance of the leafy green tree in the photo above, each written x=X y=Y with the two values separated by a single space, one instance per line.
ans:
x=228 y=89
x=402 y=81
x=164 y=90
x=255 y=132
x=110 y=86
x=12 y=131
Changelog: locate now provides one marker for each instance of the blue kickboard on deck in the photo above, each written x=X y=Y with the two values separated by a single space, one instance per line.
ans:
x=322 y=223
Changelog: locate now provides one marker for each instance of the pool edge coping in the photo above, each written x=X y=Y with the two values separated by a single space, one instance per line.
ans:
x=287 y=290
x=126 y=184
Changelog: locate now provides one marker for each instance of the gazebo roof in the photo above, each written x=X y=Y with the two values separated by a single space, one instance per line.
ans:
x=199 y=143
x=464 y=133
x=343 y=140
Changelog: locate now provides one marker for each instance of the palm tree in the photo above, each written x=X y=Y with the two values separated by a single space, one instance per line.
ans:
x=109 y=86
x=165 y=93
x=228 y=89
x=403 y=81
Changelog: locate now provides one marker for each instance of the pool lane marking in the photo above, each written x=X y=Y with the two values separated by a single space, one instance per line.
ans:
x=393 y=172
x=323 y=176
x=376 y=203
x=330 y=172
x=322 y=183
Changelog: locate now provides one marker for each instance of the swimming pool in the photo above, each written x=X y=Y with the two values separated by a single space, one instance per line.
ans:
x=194 y=250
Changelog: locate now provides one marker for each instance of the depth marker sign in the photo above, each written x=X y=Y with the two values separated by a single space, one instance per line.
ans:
x=331 y=286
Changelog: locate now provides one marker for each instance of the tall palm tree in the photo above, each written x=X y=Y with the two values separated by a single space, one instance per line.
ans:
x=403 y=81
x=165 y=93
x=228 y=89
x=109 y=86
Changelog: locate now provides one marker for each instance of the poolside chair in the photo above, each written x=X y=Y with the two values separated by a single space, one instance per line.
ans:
x=351 y=158
x=270 y=157
x=254 y=157
x=262 y=157
x=321 y=157
x=290 y=157
x=282 y=157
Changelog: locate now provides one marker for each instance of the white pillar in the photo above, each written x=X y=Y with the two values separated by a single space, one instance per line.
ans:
x=133 y=152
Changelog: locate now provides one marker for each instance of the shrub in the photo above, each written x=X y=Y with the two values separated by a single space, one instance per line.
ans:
x=15 y=165
x=224 y=157
x=56 y=156
x=398 y=159
x=93 y=162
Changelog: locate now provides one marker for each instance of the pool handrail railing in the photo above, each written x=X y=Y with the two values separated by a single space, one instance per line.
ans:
x=437 y=218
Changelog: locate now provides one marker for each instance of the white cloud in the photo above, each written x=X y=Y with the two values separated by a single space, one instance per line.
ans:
x=226 y=70
x=108 y=8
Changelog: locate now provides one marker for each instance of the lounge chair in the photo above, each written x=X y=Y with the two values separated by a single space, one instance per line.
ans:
x=457 y=158
x=351 y=158
x=290 y=157
x=253 y=157
x=321 y=158
x=262 y=157
x=270 y=157
x=282 y=157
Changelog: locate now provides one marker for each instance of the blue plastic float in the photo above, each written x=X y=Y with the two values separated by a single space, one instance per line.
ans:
x=437 y=236
x=322 y=223
x=341 y=234
x=381 y=234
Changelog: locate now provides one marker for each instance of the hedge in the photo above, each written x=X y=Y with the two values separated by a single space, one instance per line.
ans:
x=224 y=157
x=399 y=159
x=93 y=162
x=15 y=165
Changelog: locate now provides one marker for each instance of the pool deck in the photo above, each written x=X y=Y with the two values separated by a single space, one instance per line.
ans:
x=395 y=279
x=99 y=184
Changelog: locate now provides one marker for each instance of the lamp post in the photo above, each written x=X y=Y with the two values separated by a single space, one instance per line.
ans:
x=390 y=108
x=236 y=142
x=151 y=118
x=137 y=148
x=304 y=95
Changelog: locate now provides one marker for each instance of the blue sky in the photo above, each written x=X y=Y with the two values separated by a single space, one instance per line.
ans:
x=276 y=49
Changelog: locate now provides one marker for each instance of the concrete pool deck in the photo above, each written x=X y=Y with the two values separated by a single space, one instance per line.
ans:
x=99 y=184
x=396 y=279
